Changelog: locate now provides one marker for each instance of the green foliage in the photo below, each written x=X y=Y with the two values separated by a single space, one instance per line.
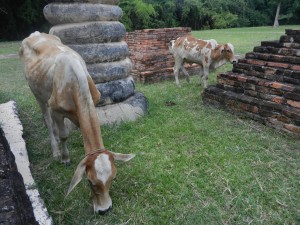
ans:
x=202 y=14
x=21 y=17
x=224 y=20
x=137 y=14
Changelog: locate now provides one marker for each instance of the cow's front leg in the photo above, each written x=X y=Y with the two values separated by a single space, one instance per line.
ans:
x=177 y=67
x=63 y=134
x=205 y=76
x=187 y=76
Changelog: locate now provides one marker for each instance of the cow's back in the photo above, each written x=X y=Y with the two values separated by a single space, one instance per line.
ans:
x=191 y=49
x=46 y=61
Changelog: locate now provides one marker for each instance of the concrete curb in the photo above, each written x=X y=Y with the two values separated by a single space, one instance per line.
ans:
x=13 y=131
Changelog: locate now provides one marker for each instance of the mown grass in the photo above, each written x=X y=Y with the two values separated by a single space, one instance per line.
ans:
x=194 y=164
x=244 y=39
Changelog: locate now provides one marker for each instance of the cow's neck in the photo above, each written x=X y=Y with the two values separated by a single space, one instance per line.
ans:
x=218 y=63
x=90 y=128
x=217 y=59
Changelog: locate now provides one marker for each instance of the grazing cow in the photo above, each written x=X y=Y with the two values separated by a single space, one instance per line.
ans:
x=59 y=80
x=206 y=53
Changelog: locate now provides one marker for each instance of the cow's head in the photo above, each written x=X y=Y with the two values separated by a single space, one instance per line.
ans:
x=100 y=170
x=228 y=53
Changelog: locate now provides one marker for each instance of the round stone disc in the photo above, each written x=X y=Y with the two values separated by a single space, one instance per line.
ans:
x=104 y=52
x=104 y=72
x=89 y=32
x=81 y=12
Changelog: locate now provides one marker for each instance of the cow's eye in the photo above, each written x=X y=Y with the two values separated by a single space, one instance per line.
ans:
x=228 y=50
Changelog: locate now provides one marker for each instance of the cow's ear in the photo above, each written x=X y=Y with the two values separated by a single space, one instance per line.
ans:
x=77 y=175
x=122 y=157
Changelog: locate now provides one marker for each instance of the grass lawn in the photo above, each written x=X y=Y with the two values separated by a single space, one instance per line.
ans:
x=194 y=164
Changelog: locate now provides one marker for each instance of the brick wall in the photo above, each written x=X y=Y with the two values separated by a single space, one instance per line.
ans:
x=149 y=53
x=265 y=85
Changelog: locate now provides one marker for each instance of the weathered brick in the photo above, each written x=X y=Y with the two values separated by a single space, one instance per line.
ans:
x=292 y=128
x=293 y=103
x=149 y=52
x=278 y=64
x=295 y=67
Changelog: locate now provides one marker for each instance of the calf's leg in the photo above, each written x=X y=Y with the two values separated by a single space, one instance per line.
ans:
x=205 y=76
x=187 y=76
x=177 y=67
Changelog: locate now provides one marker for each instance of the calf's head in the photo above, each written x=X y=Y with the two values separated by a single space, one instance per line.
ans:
x=228 y=53
x=100 y=170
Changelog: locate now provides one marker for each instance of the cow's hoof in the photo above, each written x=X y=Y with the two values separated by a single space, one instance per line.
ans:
x=100 y=212
x=66 y=163
x=57 y=157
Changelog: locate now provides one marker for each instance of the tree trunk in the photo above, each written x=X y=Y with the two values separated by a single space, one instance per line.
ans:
x=276 y=23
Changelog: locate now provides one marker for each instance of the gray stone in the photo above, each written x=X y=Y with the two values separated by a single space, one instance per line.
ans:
x=104 y=72
x=105 y=52
x=109 y=2
x=81 y=12
x=129 y=110
x=116 y=91
x=89 y=32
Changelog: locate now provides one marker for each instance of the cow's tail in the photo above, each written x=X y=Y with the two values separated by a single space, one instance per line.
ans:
x=171 y=44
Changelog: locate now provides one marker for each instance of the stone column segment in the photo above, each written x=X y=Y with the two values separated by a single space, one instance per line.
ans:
x=91 y=28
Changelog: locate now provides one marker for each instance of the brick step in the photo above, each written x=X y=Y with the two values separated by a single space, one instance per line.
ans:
x=290 y=39
x=278 y=65
x=269 y=73
x=292 y=32
x=253 y=86
x=278 y=51
x=274 y=58
x=278 y=116
x=153 y=76
x=277 y=44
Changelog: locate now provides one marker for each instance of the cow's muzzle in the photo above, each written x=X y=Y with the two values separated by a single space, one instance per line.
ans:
x=234 y=61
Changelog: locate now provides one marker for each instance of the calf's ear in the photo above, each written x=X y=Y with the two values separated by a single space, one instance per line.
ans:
x=122 y=157
x=77 y=175
x=222 y=49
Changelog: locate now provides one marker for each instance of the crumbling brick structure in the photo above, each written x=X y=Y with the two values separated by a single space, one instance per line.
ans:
x=265 y=85
x=150 y=56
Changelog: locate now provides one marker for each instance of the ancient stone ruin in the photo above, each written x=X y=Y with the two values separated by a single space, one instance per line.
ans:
x=264 y=85
x=149 y=52
x=92 y=28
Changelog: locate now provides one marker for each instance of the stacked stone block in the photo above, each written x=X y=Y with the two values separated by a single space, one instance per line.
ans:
x=92 y=28
x=265 y=85
x=149 y=52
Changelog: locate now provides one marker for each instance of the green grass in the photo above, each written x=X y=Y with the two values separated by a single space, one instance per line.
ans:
x=194 y=164
x=244 y=39
x=9 y=47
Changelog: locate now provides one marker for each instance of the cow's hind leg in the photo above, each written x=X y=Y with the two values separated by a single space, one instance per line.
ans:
x=52 y=129
x=63 y=134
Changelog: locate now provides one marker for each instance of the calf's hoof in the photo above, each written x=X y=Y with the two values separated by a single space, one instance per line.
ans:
x=66 y=162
